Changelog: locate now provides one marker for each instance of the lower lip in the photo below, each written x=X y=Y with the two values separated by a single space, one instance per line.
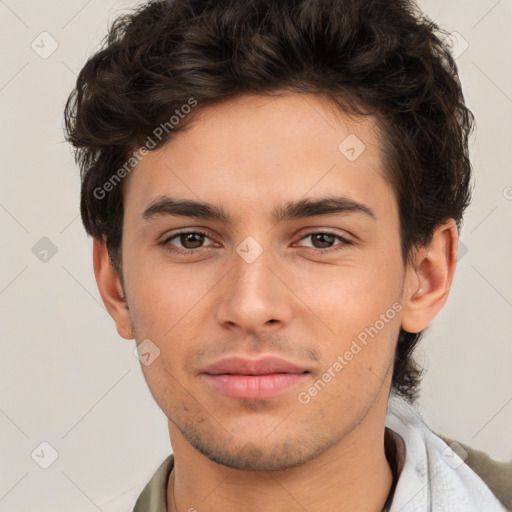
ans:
x=254 y=387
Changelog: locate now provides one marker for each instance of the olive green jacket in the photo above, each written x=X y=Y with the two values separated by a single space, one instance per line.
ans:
x=496 y=475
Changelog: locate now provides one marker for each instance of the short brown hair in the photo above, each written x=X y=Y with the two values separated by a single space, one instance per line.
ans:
x=369 y=56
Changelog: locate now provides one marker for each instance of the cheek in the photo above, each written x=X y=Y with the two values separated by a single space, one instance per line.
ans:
x=353 y=294
x=162 y=294
x=359 y=308
x=362 y=312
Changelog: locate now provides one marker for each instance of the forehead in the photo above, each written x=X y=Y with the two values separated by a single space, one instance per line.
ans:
x=254 y=152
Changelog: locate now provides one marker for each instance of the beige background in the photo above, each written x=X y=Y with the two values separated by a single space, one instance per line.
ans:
x=69 y=380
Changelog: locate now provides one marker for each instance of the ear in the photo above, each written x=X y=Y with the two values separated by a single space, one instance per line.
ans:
x=111 y=290
x=429 y=278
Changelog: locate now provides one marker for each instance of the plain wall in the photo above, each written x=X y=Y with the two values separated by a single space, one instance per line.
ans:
x=70 y=380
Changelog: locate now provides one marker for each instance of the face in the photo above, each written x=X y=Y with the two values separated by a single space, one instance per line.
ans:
x=318 y=287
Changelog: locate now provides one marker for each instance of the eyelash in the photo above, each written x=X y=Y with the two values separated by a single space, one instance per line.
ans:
x=167 y=245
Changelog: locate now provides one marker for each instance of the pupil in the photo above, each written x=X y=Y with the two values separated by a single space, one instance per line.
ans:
x=327 y=239
x=188 y=238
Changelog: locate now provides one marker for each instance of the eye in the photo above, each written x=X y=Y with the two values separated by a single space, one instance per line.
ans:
x=190 y=242
x=322 y=241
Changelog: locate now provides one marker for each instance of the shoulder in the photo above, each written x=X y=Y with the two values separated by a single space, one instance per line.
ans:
x=153 y=496
x=148 y=497
x=496 y=475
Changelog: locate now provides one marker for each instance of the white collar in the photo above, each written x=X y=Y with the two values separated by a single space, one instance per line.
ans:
x=434 y=477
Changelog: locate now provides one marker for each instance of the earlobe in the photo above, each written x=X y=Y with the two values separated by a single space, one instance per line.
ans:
x=111 y=290
x=428 y=280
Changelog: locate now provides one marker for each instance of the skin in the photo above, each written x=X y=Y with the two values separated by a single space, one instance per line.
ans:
x=250 y=154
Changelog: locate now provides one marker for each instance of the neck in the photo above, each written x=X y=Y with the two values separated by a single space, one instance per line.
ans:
x=354 y=474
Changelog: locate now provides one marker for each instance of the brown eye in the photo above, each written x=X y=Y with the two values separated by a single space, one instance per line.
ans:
x=186 y=242
x=191 y=240
x=322 y=240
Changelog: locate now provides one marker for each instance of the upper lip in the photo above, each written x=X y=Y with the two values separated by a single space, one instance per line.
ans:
x=246 y=366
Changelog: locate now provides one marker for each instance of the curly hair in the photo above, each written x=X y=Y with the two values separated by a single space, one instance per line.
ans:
x=370 y=57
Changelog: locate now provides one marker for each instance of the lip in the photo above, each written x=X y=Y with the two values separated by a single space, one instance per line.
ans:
x=254 y=379
x=246 y=366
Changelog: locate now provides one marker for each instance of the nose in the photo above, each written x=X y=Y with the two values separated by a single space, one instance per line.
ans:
x=256 y=294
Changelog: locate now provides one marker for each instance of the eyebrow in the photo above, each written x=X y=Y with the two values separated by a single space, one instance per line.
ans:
x=304 y=208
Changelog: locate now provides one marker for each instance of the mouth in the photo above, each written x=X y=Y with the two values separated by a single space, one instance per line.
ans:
x=250 y=379
x=254 y=387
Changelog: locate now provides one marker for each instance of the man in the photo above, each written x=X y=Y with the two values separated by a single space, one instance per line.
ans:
x=275 y=191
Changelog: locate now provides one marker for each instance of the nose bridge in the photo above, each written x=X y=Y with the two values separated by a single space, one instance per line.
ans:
x=253 y=294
